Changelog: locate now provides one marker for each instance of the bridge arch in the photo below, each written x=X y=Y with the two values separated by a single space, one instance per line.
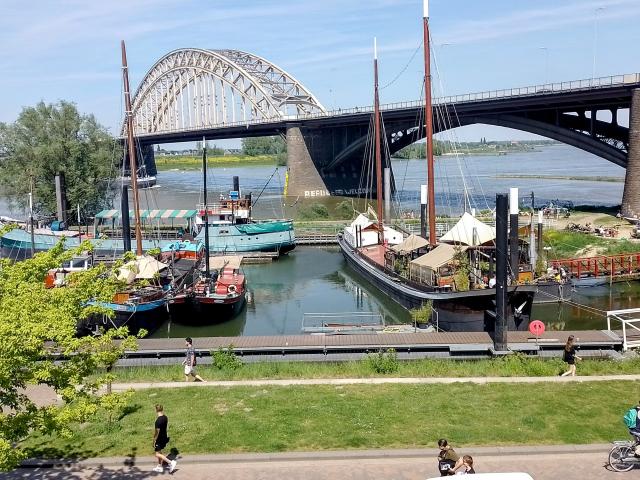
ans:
x=607 y=140
x=196 y=88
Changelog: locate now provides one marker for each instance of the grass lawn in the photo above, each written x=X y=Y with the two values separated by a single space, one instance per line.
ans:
x=515 y=365
x=273 y=419
x=195 y=163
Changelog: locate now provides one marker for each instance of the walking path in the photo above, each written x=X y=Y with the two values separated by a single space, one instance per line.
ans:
x=370 y=381
x=43 y=395
x=569 y=462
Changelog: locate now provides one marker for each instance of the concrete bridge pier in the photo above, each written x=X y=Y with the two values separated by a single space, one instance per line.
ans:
x=631 y=195
x=304 y=180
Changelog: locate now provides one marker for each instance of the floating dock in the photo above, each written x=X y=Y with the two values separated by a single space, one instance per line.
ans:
x=452 y=345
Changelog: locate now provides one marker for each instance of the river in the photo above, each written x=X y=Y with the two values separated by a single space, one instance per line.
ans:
x=317 y=280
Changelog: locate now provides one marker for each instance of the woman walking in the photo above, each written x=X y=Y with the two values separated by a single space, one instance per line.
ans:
x=570 y=357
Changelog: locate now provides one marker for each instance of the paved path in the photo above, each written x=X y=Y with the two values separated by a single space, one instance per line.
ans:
x=371 y=381
x=569 y=462
x=43 y=395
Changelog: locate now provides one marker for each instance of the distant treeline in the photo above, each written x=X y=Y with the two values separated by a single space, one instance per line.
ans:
x=417 y=150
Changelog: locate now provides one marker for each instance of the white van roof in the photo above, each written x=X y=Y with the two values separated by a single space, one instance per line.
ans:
x=497 y=476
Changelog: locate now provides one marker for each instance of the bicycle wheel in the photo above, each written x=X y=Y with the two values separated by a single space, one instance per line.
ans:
x=617 y=455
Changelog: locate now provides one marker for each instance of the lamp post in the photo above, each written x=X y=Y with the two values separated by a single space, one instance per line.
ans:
x=596 y=13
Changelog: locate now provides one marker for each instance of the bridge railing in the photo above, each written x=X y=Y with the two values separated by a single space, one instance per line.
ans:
x=548 y=88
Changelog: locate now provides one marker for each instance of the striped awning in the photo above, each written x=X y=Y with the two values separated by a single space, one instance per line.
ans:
x=150 y=214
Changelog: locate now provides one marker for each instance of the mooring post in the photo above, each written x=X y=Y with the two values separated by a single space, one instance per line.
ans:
x=423 y=211
x=514 y=248
x=631 y=194
x=500 y=333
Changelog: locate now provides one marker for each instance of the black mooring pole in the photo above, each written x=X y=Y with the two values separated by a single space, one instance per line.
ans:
x=514 y=247
x=126 y=226
x=500 y=334
x=423 y=211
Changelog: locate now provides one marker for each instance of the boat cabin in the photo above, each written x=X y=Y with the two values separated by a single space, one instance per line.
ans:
x=231 y=210
x=156 y=224
x=57 y=277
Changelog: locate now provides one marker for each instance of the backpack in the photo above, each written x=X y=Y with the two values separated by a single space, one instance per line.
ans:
x=631 y=417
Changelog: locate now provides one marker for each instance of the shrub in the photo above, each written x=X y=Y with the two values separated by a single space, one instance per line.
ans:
x=422 y=314
x=316 y=211
x=226 y=359
x=344 y=210
x=383 y=362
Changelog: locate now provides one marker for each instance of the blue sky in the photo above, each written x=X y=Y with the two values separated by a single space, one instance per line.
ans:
x=69 y=49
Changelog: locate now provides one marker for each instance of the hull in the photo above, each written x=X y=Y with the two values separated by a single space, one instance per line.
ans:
x=589 y=281
x=148 y=316
x=277 y=236
x=454 y=311
x=553 y=292
x=268 y=236
x=198 y=311
x=16 y=244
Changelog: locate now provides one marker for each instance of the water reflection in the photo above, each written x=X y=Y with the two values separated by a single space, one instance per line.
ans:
x=308 y=280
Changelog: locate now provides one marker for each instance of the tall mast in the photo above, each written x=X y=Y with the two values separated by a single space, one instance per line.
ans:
x=376 y=110
x=428 y=116
x=132 y=150
x=206 y=208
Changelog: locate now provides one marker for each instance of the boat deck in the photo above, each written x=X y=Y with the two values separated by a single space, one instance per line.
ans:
x=408 y=345
x=374 y=253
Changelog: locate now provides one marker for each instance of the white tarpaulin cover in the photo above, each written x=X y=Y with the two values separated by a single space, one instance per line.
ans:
x=437 y=257
x=225 y=261
x=469 y=231
x=411 y=243
x=143 y=267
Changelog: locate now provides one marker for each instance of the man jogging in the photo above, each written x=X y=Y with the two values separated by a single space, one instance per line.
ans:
x=189 y=362
x=160 y=440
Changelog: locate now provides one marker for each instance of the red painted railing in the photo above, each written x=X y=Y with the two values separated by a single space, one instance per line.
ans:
x=622 y=264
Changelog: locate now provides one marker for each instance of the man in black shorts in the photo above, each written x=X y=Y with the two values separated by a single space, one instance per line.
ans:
x=160 y=440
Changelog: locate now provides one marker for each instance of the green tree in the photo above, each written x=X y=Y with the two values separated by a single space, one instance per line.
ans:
x=37 y=331
x=263 y=146
x=51 y=138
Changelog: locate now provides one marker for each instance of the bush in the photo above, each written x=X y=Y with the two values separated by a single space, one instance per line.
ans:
x=226 y=359
x=344 y=210
x=422 y=315
x=383 y=362
x=317 y=211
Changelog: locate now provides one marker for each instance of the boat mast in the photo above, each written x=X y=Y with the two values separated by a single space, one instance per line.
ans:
x=132 y=150
x=207 y=272
x=376 y=114
x=428 y=116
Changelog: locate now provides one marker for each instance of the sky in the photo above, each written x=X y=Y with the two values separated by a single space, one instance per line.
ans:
x=69 y=49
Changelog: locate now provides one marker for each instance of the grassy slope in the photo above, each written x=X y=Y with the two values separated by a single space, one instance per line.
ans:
x=565 y=244
x=271 y=419
x=501 y=367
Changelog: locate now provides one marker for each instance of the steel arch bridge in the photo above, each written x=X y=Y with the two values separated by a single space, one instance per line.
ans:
x=195 y=88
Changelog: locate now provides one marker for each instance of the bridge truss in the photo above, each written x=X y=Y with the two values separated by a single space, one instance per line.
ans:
x=191 y=89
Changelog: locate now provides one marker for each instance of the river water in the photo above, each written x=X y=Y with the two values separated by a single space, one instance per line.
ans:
x=317 y=280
